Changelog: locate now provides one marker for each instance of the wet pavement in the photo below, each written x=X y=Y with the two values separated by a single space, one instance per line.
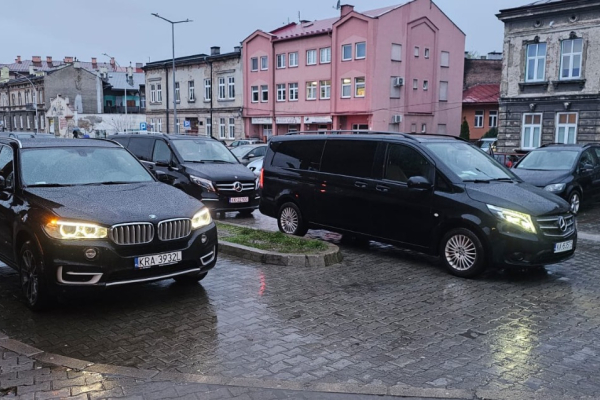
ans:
x=384 y=317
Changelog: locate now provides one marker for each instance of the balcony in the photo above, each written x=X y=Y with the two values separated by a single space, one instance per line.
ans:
x=121 y=109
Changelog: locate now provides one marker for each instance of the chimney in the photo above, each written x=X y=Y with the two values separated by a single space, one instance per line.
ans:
x=346 y=9
x=49 y=60
x=76 y=64
x=112 y=61
x=36 y=59
x=18 y=60
x=215 y=51
x=68 y=59
x=94 y=60
x=237 y=49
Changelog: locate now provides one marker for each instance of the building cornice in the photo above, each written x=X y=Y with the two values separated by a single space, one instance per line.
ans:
x=564 y=7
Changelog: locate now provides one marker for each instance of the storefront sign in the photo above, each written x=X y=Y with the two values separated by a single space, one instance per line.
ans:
x=287 y=120
x=262 y=121
x=317 y=120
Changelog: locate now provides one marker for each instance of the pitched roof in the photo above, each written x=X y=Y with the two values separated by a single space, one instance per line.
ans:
x=44 y=66
x=482 y=94
x=118 y=81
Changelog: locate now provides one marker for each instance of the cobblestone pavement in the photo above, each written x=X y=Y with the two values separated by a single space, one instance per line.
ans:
x=384 y=318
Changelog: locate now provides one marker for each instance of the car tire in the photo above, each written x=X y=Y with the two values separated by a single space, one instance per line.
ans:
x=462 y=253
x=290 y=220
x=31 y=277
x=575 y=199
x=190 y=278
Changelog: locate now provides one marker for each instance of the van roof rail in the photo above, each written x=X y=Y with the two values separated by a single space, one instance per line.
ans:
x=351 y=132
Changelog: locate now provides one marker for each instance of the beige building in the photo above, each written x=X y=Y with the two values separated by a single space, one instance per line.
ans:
x=208 y=92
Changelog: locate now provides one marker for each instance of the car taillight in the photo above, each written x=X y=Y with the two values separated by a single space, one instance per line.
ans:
x=262 y=177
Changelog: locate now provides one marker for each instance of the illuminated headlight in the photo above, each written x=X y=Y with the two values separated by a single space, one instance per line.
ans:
x=523 y=221
x=555 y=188
x=202 y=218
x=67 y=230
x=205 y=183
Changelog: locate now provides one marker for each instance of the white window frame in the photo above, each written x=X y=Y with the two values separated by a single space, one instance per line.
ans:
x=325 y=90
x=28 y=118
x=493 y=119
x=231 y=127
x=264 y=89
x=311 y=90
x=358 y=85
x=21 y=120
x=153 y=93
x=253 y=62
x=566 y=126
x=231 y=87
x=264 y=63
x=159 y=124
x=222 y=128
x=281 y=89
x=423 y=128
x=524 y=127
x=281 y=60
x=222 y=91
x=417 y=51
x=398 y=48
x=293 y=59
x=159 y=92
x=537 y=60
x=311 y=57
x=572 y=56
x=425 y=85
x=479 y=119
x=177 y=92
x=445 y=59
x=344 y=47
x=293 y=88
x=191 y=91
x=207 y=89
x=254 y=90
x=325 y=55
x=444 y=90
x=208 y=127
x=346 y=84
x=426 y=53
x=415 y=84
x=356 y=47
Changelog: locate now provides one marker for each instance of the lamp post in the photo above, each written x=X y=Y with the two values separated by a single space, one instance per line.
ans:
x=37 y=122
x=173 y=40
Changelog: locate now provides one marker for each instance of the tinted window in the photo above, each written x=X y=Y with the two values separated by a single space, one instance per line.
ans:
x=402 y=163
x=597 y=150
x=161 y=152
x=349 y=157
x=549 y=160
x=203 y=151
x=123 y=140
x=260 y=151
x=302 y=154
x=6 y=164
x=141 y=147
x=587 y=159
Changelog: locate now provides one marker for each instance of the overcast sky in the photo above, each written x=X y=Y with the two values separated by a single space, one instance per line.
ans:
x=126 y=30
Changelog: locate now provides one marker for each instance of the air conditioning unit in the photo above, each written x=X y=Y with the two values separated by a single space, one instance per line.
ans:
x=396 y=119
x=398 y=81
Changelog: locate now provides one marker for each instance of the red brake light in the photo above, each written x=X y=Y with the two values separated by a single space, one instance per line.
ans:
x=262 y=177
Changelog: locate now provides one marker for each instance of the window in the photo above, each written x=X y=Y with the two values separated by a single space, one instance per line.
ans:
x=41 y=95
x=346 y=88
x=493 y=119
x=325 y=89
x=293 y=59
x=413 y=128
x=34 y=97
x=311 y=90
x=572 y=51
x=21 y=119
x=304 y=155
x=264 y=89
x=20 y=99
x=159 y=124
x=161 y=152
x=443 y=91
x=536 y=62
x=14 y=122
x=417 y=50
x=281 y=60
x=231 y=128
x=207 y=89
x=177 y=96
x=42 y=123
x=153 y=93
x=403 y=163
x=208 y=127
x=359 y=87
x=531 y=131
x=425 y=85
x=344 y=157
x=221 y=88
x=27 y=97
x=159 y=92
x=325 y=55
x=254 y=64
x=423 y=128
x=566 y=128
x=396 y=52
x=191 y=91
x=28 y=122
x=231 y=87
x=442 y=129
x=281 y=92
x=479 y=119
x=293 y=91
x=311 y=57
x=254 y=94
x=221 y=128
x=361 y=50
x=346 y=52
x=415 y=84
x=426 y=53
x=267 y=131
x=14 y=103
x=264 y=63
x=445 y=59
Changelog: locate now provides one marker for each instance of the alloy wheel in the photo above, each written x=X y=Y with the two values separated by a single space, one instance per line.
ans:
x=575 y=203
x=289 y=220
x=461 y=252
x=29 y=276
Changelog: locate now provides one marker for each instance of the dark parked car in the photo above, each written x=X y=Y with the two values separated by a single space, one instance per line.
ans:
x=243 y=142
x=200 y=166
x=433 y=194
x=571 y=171
x=250 y=152
x=84 y=214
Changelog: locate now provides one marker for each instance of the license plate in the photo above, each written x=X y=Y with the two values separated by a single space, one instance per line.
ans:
x=238 y=199
x=563 y=246
x=157 y=259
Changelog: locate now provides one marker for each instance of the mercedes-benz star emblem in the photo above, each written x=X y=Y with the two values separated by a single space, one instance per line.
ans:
x=237 y=187
x=562 y=224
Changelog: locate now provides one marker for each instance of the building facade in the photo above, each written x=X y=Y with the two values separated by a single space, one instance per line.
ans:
x=398 y=68
x=551 y=88
x=208 y=92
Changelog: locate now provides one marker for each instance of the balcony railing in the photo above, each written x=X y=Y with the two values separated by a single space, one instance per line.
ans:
x=121 y=110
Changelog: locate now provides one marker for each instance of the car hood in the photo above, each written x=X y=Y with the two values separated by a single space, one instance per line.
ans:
x=541 y=178
x=116 y=204
x=220 y=172
x=521 y=197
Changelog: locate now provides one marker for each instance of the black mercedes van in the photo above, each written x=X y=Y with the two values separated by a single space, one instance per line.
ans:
x=434 y=194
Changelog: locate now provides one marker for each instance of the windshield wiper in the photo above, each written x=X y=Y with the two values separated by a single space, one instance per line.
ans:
x=477 y=181
x=502 y=180
x=194 y=161
x=48 y=185
x=218 y=161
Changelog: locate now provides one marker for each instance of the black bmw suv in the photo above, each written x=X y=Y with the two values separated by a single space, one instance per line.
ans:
x=84 y=214
x=200 y=166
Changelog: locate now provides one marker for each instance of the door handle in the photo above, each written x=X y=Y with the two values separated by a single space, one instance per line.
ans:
x=361 y=185
x=381 y=188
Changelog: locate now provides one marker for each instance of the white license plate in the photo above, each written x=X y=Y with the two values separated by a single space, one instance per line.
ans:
x=563 y=246
x=158 y=259
x=238 y=199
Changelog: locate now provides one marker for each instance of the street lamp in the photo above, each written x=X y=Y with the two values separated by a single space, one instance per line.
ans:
x=173 y=40
x=126 y=83
x=37 y=122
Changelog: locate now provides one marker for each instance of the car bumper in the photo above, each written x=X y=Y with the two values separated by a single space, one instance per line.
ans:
x=221 y=203
x=67 y=267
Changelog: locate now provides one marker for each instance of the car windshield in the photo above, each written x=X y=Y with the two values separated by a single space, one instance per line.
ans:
x=72 y=166
x=203 y=151
x=469 y=163
x=547 y=160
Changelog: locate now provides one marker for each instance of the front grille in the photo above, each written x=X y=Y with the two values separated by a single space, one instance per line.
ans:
x=174 y=229
x=130 y=234
x=550 y=226
x=231 y=187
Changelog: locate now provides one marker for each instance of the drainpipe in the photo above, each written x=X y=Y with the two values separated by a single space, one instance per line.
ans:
x=167 y=92
x=273 y=91
x=212 y=123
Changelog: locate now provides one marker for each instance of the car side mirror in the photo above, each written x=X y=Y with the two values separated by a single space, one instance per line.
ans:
x=162 y=177
x=419 y=183
x=162 y=163
x=251 y=155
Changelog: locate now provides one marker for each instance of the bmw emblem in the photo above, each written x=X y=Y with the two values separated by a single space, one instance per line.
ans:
x=152 y=216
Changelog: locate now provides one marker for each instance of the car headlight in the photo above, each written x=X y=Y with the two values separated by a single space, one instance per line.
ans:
x=67 y=230
x=205 y=183
x=556 y=187
x=202 y=218
x=523 y=221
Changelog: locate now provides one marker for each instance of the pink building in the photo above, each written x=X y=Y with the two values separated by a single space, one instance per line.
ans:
x=398 y=68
